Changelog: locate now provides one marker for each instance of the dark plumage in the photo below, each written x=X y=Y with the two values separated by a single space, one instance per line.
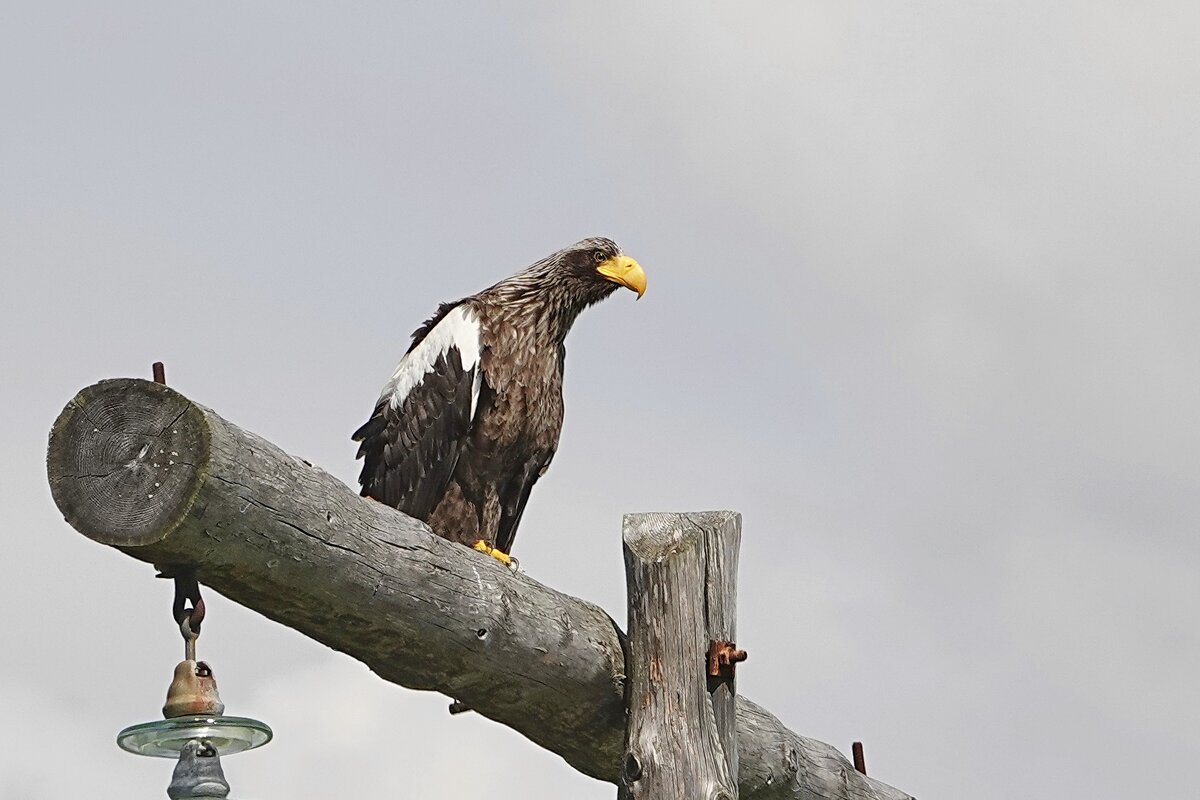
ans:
x=471 y=417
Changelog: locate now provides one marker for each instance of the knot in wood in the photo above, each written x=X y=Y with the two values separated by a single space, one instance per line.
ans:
x=722 y=656
x=632 y=769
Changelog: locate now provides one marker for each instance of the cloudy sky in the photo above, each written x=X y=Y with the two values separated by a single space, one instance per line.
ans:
x=922 y=306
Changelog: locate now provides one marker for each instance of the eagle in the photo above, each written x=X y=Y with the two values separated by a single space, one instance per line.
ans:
x=470 y=418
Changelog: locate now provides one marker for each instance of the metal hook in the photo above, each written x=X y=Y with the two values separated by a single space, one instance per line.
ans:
x=187 y=588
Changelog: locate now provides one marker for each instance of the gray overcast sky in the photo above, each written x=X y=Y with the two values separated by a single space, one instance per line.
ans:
x=922 y=305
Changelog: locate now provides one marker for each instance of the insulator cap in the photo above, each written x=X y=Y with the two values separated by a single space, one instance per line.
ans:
x=198 y=773
x=193 y=691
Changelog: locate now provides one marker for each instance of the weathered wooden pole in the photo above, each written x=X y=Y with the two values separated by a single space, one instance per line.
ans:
x=681 y=572
x=136 y=465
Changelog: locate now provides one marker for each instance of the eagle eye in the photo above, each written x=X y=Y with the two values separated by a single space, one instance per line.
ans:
x=599 y=257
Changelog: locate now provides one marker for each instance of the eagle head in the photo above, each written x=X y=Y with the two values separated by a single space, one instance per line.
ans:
x=595 y=267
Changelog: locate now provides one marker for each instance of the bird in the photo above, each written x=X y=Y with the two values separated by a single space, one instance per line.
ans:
x=471 y=416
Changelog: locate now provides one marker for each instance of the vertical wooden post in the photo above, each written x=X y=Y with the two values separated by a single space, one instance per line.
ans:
x=681 y=571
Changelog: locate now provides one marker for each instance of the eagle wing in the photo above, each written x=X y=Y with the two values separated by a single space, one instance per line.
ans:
x=516 y=494
x=513 y=504
x=413 y=440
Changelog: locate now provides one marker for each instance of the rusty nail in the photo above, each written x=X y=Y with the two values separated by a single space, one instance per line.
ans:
x=160 y=372
x=860 y=763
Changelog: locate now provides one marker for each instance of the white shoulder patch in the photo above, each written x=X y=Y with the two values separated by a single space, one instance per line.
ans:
x=459 y=330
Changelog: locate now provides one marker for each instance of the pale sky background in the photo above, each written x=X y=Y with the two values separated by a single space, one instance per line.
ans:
x=922 y=306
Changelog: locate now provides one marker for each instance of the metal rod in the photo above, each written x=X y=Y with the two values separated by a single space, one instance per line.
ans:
x=860 y=763
x=189 y=638
x=160 y=372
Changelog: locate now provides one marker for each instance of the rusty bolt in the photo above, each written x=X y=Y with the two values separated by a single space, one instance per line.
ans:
x=722 y=656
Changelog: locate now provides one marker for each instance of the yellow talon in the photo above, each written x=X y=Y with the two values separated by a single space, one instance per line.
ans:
x=499 y=555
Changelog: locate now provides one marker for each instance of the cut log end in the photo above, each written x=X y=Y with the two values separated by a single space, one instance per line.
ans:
x=126 y=459
x=659 y=535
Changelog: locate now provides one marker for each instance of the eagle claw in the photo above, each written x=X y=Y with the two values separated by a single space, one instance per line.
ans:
x=501 y=556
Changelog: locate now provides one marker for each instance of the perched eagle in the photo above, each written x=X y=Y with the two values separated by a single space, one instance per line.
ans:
x=470 y=418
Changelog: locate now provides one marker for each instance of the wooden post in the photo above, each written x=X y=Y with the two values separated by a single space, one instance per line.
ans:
x=681 y=571
x=137 y=466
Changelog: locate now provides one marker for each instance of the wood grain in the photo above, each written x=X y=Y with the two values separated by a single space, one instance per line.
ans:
x=681 y=574
x=138 y=466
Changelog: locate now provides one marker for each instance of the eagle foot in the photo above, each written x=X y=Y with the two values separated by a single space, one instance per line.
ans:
x=504 y=558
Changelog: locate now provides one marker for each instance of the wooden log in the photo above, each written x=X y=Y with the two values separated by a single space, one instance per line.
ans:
x=138 y=466
x=681 y=572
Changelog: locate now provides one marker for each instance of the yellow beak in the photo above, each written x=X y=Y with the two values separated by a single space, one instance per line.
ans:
x=625 y=271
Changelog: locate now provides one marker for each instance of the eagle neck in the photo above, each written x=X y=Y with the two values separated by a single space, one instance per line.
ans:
x=543 y=308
